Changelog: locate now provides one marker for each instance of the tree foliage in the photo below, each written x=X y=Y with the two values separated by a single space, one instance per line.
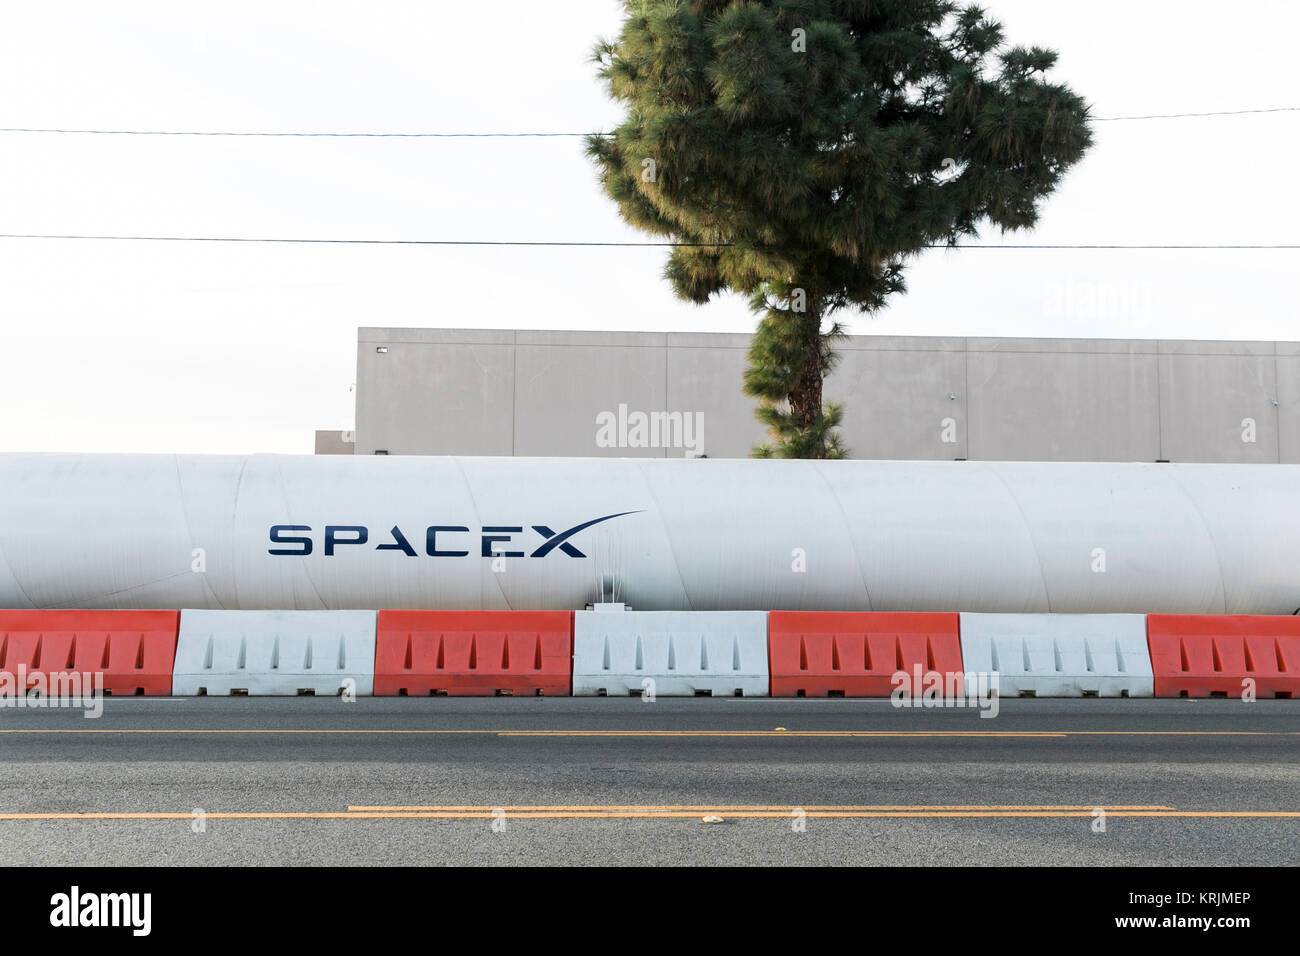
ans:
x=803 y=150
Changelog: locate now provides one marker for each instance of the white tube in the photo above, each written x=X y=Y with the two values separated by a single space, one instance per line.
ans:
x=162 y=531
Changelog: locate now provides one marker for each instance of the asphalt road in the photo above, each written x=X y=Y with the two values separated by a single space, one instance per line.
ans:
x=1201 y=782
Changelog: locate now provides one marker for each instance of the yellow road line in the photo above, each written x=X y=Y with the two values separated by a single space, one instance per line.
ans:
x=109 y=730
x=569 y=733
x=786 y=808
x=782 y=733
x=920 y=734
x=993 y=734
x=675 y=814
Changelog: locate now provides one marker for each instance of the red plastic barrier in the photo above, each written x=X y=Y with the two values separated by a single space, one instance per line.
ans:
x=134 y=650
x=1194 y=655
x=474 y=653
x=851 y=654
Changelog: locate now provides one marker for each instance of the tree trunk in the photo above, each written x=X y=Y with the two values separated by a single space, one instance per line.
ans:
x=806 y=394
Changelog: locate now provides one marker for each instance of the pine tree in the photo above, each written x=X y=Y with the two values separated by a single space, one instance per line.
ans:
x=802 y=151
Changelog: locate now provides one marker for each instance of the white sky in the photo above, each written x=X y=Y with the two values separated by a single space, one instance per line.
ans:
x=192 y=347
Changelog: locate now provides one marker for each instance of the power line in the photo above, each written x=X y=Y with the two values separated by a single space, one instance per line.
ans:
x=1155 y=246
x=360 y=242
x=166 y=132
x=1155 y=116
x=180 y=132
x=524 y=135
x=563 y=244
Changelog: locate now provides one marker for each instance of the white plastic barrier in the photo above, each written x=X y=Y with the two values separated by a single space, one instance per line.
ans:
x=670 y=653
x=1059 y=655
x=275 y=653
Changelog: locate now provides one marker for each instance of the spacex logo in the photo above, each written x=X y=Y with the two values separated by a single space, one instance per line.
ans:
x=440 y=541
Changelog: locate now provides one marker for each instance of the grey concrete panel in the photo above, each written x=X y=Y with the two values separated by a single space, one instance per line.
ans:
x=528 y=337
x=1069 y=346
x=709 y=381
x=897 y=405
x=334 y=443
x=421 y=398
x=1198 y=347
x=708 y=340
x=562 y=389
x=1288 y=397
x=1218 y=407
x=386 y=336
x=1071 y=405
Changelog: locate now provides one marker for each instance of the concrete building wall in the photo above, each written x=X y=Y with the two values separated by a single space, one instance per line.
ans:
x=1210 y=393
x=564 y=379
x=1053 y=400
x=468 y=392
x=1288 y=397
x=895 y=392
x=335 y=443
